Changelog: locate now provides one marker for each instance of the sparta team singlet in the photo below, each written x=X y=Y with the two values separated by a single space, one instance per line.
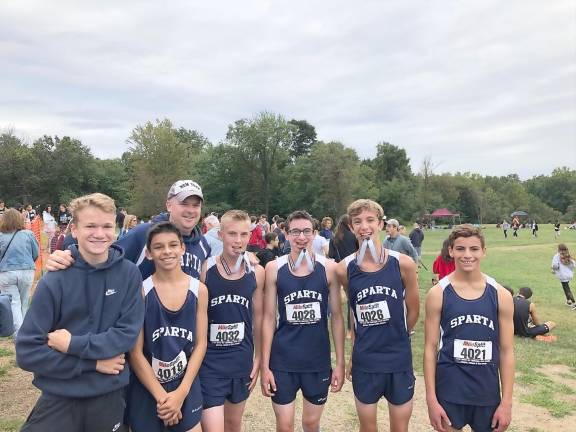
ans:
x=382 y=342
x=469 y=351
x=301 y=342
x=230 y=341
x=169 y=336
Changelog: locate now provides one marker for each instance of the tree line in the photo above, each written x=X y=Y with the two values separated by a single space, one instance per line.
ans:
x=267 y=164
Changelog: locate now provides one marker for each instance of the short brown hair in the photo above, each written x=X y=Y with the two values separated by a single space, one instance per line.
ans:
x=235 y=215
x=325 y=220
x=465 y=230
x=360 y=205
x=98 y=200
x=11 y=221
x=298 y=214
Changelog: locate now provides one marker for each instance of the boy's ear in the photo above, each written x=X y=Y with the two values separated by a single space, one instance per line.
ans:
x=147 y=253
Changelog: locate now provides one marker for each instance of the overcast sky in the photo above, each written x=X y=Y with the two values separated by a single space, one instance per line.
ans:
x=482 y=86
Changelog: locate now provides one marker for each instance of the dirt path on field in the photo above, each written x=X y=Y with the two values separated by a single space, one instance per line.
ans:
x=18 y=395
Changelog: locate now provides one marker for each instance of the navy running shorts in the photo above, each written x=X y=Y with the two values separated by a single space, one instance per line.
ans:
x=397 y=388
x=479 y=418
x=215 y=391
x=314 y=386
x=142 y=415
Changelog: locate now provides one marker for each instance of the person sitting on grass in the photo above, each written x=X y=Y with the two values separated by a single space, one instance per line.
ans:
x=80 y=323
x=526 y=322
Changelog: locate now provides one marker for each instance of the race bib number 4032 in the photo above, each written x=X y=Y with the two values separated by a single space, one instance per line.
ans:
x=166 y=371
x=370 y=314
x=303 y=313
x=472 y=352
x=227 y=334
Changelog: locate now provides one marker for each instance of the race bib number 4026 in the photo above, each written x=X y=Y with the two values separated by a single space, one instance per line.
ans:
x=370 y=314
x=227 y=334
x=472 y=352
x=167 y=371
x=303 y=313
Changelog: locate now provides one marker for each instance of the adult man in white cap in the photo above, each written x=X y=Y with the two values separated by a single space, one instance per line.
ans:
x=184 y=206
x=397 y=242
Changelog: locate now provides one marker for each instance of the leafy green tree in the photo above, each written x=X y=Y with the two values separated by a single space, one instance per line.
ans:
x=262 y=145
x=303 y=138
x=159 y=158
x=390 y=163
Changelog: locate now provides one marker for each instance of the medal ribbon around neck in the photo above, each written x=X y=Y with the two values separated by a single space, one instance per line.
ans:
x=241 y=258
x=369 y=244
x=303 y=255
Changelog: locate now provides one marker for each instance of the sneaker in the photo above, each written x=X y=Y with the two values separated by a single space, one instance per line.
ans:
x=569 y=303
x=573 y=307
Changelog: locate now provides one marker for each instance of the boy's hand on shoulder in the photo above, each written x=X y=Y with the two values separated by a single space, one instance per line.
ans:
x=59 y=340
x=59 y=260
x=111 y=366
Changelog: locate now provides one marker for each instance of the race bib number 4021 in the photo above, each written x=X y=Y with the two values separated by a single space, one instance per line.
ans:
x=370 y=314
x=472 y=352
x=303 y=313
x=227 y=334
x=167 y=371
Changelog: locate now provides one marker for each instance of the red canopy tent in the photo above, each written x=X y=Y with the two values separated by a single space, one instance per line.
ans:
x=443 y=213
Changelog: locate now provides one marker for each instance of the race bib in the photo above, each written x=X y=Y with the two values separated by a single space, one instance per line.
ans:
x=170 y=370
x=303 y=313
x=370 y=314
x=472 y=352
x=227 y=334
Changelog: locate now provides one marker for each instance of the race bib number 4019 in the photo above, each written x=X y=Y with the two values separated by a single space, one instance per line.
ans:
x=227 y=334
x=167 y=371
x=370 y=314
x=303 y=313
x=472 y=352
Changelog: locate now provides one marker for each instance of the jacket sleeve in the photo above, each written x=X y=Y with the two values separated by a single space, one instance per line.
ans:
x=133 y=242
x=33 y=353
x=120 y=337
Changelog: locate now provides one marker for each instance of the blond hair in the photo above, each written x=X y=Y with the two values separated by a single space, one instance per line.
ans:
x=360 y=205
x=11 y=221
x=234 y=215
x=98 y=200
x=128 y=220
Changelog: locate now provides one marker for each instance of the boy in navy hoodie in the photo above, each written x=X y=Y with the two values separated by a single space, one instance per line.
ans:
x=80 y=323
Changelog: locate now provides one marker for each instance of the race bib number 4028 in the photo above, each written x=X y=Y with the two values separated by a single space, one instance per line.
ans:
x=370 y=314
x=303 y=313
x=227 y=334
x=167 y=371
x=472 y=352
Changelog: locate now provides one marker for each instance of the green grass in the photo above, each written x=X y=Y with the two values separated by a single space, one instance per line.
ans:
x=518 y=262
x=4 y=352
x=10 y=425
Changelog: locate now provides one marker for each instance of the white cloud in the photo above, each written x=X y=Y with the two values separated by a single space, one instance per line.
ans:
x=486 y=87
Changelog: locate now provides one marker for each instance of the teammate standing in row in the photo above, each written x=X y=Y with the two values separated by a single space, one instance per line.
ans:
x=469 y=353
x=296 y=352
x=169 y=351
x=382 y=291
x=235 y=295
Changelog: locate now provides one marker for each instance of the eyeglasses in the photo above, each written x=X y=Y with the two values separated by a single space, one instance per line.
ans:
x=296 y=232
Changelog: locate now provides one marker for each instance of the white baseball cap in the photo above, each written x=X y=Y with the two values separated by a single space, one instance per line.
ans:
x=182 y=189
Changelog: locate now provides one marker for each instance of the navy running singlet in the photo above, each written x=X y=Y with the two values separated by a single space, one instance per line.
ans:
x=469 y=350
x=230 y=349
x=301 y=342
x=169 y=336
x=382 y=342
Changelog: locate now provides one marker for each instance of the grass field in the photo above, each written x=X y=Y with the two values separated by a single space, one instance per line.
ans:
x=545 y=398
